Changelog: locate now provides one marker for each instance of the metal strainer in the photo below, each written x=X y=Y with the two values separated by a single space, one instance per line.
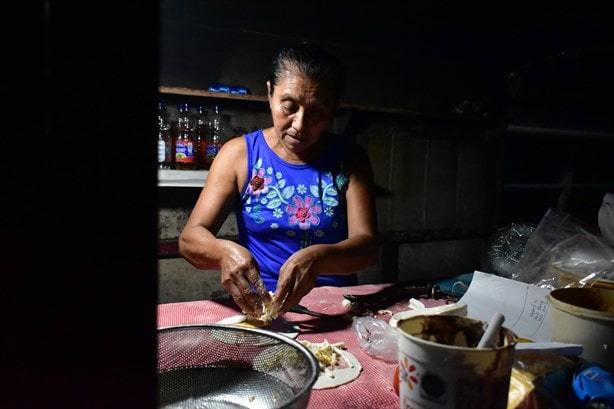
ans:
x=222 y=366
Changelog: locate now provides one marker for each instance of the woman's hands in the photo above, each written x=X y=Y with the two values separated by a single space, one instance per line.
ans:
x=297 y=277
x=241 y=278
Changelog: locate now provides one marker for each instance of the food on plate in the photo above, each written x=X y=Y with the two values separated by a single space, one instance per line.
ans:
x=243 y=320
x=269 y=313
x=279 y=325
x=337 y=365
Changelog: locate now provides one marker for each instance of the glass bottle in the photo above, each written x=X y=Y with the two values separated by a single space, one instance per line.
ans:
x=185 y=142
x=165 y=139
x=201 y=131
x=215 y=137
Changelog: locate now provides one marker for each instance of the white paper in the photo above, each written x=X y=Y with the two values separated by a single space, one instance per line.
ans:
x=525 y=306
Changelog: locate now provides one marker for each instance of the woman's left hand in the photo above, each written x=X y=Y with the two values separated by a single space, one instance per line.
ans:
x=297 y=277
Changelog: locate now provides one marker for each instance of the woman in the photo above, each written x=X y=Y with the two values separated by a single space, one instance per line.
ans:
x=302 y=196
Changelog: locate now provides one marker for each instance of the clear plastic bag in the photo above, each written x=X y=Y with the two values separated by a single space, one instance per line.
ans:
x=377 y=338
x=560 y=253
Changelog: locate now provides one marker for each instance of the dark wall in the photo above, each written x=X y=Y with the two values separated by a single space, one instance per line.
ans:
x=426 y=56
x=543 y=67
x=78 y=246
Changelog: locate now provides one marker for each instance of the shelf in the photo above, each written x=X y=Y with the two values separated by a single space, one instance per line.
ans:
x=210 y=94
x=263 y=98
x=450 y=119
x=182 y=178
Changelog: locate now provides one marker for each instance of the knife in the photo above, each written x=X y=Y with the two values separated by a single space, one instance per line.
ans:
x=396 y=292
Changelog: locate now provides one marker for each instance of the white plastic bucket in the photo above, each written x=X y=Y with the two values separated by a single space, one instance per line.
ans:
x=585 y=316
x=442 y=375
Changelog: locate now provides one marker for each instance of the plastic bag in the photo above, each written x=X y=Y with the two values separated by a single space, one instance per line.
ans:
x=560 y=253
x=504 y=248
x=541 y=381
x=605 y=218
x=377 y=338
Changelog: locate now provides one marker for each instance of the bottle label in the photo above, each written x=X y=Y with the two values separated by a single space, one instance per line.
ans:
x=184 y=152
x=211 y=151
x=161 y=151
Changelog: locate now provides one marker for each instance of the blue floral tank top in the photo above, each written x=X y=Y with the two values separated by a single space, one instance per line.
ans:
x=285 y=207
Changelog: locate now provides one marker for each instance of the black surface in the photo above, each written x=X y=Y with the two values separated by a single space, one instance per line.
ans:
x=78 y=247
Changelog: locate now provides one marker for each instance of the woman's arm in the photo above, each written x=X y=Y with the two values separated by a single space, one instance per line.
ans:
x=198 y=243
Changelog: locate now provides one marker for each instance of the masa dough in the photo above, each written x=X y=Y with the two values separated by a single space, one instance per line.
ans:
x=337 y=365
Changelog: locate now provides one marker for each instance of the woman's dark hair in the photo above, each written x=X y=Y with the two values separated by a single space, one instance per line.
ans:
x=314 y=62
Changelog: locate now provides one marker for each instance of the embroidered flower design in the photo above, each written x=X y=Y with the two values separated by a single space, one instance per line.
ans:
x=259 y=183
x=342 y=182
x=405 y=373
x=303 y=213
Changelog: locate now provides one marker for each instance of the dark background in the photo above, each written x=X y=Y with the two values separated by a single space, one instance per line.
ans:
x=78 y=244
x=79 y=176
x=542 y=67
x=552 y=58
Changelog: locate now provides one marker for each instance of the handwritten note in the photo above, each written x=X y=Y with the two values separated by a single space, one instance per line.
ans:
x=525 y=306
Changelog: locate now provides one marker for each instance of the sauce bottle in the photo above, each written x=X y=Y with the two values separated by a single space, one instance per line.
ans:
x=165 y=139
x=215 y=136
x=185 y=143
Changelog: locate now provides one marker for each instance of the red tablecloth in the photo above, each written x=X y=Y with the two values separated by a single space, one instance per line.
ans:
x=372 y=389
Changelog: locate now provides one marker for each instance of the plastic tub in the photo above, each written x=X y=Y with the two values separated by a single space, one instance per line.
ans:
x=585 y=316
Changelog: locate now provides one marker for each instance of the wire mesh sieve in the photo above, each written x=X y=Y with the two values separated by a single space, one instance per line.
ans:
x=223 y=366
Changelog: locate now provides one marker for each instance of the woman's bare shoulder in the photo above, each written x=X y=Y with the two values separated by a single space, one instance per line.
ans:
x=232 y=150
x=237 y=142
x=230 y=163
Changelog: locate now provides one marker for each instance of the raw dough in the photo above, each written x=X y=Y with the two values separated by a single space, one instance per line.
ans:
x=344 y=370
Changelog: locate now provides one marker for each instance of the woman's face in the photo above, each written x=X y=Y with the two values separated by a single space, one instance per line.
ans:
x=301 y=110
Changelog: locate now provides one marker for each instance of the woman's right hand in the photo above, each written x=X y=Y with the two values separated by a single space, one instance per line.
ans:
x=241 y=278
